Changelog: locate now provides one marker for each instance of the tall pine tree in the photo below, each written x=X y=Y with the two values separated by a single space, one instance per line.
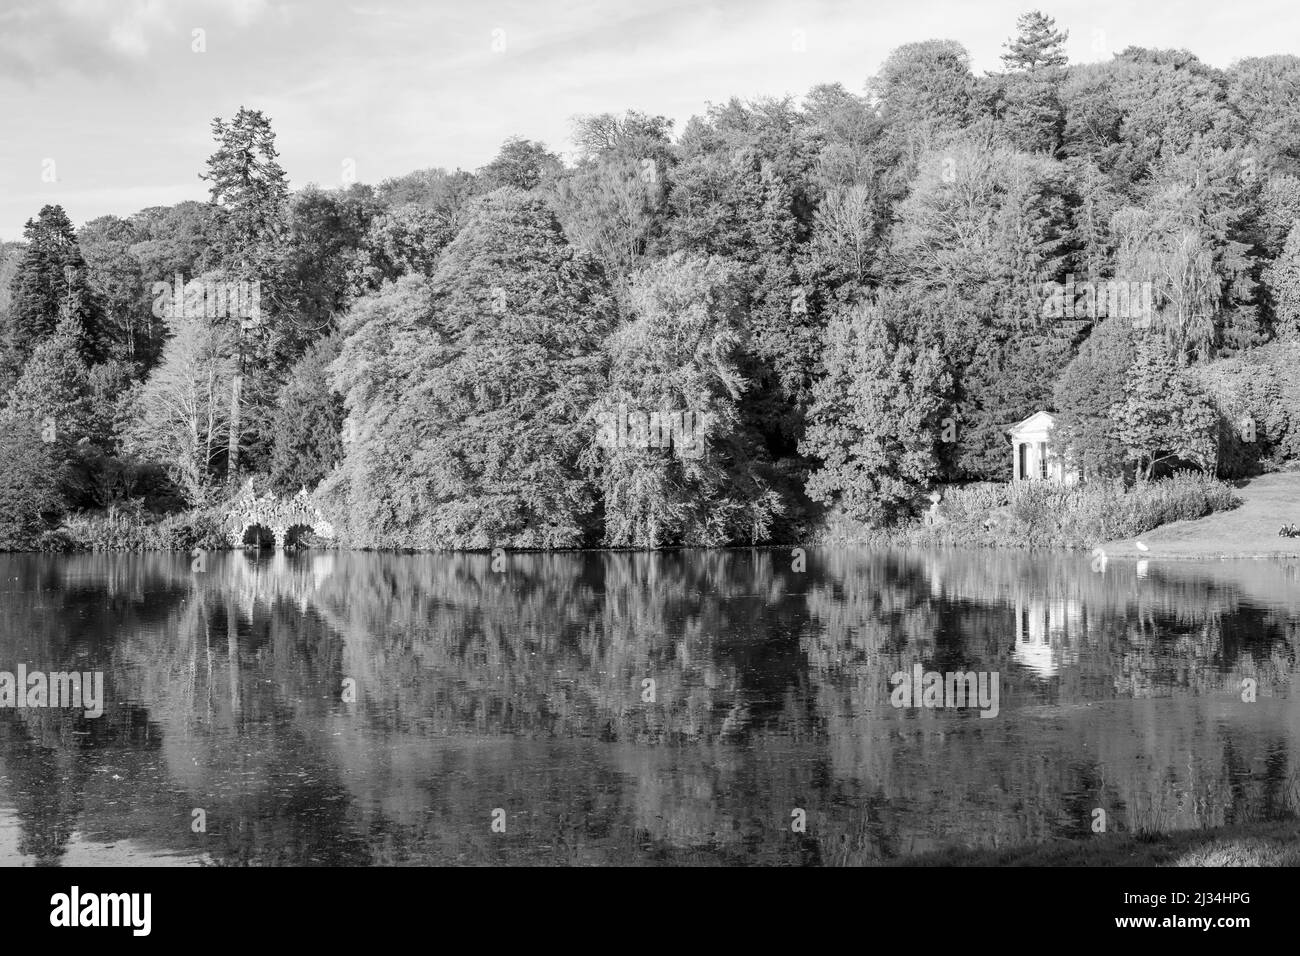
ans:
x=251 y=193
x=52 y=282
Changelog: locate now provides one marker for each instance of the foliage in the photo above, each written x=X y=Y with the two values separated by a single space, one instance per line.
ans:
x=447 y=194
x=1032 y=514
x=250 y=191
x=974 y=242
x=736 y=194
x=521 y=164
x=404 y=240
x=1028 y=97
x=29 y=483
x=308 y=422
x=54 y=389
x=680 y=355
x=837 y=281
x=1090 y=386
x=116 y=278
x=466 y=392
x=1282 y=278
x=250 y=196
x=51 y=282
x=324 y=231
x=1259 y=387
x=874 y=422
x=1265 y=91
x=178 y=416
x=1164 y=417
x=925 y=89
x=132 y=529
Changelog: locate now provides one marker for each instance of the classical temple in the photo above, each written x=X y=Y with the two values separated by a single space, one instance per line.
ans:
x=1034 y=457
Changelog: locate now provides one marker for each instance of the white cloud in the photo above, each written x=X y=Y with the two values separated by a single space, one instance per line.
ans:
x=113 y=90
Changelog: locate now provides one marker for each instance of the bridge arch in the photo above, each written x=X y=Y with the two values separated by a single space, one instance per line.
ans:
x=258 y=536
x=296 y=534
x=284 y=518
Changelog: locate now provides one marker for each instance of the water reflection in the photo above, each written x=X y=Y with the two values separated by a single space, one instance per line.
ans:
x=526 y=690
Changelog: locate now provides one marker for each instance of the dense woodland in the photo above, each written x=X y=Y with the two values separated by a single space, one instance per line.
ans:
x=849 y=290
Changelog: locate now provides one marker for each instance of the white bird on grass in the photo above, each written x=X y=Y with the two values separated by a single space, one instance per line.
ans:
x=1142 y=547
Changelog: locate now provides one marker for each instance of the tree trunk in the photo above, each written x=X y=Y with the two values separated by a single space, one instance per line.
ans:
x=232 y=447
x=212 y=422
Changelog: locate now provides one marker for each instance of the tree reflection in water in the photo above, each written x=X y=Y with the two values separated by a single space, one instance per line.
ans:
x=524 y=690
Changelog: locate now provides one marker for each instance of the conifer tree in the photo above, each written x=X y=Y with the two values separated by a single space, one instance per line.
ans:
x=52 y=282
x=250 y=192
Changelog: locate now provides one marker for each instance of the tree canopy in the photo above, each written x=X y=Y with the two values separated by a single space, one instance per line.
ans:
x=846 y=297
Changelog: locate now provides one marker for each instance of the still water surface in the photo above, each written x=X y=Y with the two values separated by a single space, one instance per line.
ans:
x=525 y=691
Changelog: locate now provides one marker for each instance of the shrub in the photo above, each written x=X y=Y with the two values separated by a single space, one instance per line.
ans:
x=134 y=530
x=29 y=484
x=1040 y=515
x=1261 y=384
x=307 y=422
x=57 y=540
x=974 y=503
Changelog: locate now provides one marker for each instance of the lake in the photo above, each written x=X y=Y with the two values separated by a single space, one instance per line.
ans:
x=695 y=707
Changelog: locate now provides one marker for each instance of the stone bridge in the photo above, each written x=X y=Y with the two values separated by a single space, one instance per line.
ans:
x=277 y=515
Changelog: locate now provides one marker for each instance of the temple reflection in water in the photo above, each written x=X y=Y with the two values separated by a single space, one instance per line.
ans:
x=527 y=690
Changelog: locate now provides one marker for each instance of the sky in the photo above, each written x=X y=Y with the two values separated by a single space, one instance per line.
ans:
x=106 y=105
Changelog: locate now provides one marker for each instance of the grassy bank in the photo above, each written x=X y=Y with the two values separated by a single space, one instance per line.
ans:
x=1040 y=515
x=1256 y=844
x=1248 y=531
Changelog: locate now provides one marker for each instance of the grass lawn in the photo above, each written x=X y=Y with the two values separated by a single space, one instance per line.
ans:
x=1249 y=531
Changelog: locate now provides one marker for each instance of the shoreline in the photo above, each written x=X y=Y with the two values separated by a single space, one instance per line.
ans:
x=1249 y=531
x=1186 y=556
x=1266 y=503
x=1270 y=844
